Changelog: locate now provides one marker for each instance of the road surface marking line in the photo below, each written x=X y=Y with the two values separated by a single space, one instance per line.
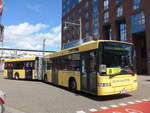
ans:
x=113 y=106
x=145 y=99
x=92 y=110
x=104 y=107
x=138 y=101
x=122 y=104
x=80 y=112
x=131 y=102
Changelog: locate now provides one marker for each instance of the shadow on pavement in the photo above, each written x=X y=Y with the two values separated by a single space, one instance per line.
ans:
x=93 y=97
x=147 y=80
x=102 y=98
x=86 y=95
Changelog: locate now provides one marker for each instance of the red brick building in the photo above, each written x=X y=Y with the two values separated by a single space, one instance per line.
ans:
x=125 y=20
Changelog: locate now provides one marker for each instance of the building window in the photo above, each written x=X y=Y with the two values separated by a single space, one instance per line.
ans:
x=138 y=22
x=122 y=32
x=108 y=32
x=106 y=17
x=86 y=15
x=119 y=11
x=118 y=1
x=86 y=5
x=95 y=19
x=87 y=27
x=106 y=4
x=136 y=4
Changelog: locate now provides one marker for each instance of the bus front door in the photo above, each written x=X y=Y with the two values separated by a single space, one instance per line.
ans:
x=88 y=72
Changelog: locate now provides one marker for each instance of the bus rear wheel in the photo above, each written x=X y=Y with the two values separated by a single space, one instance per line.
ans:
x=72 y=84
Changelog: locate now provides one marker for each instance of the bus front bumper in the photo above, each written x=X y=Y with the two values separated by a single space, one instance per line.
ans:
x=104 y=91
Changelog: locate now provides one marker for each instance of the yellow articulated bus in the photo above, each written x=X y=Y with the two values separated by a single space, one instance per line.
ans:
x=24 y=68
x=98 y=67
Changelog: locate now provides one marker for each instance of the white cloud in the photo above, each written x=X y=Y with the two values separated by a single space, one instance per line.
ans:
x=28 y=36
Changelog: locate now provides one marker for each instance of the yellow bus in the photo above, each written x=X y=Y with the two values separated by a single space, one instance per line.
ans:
x=98 y=67
x=24 y=68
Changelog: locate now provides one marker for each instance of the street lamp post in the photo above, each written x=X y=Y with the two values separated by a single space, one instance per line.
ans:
x=75 y=24
x=44 y=46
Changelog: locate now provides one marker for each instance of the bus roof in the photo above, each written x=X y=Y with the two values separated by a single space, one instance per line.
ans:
x=83 y=47
x=20 y=59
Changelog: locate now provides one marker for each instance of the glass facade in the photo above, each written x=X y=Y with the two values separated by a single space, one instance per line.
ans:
x=136 y=4
x=67 y=5
x=95 y=19
x=138 y=22
x=118 y=1
x=106 y=17
x=106 y=4
x=119 y=11
x=122 y=32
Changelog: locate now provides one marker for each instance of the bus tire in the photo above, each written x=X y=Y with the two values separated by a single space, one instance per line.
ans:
x=45 y=79
x=72 y=84
x=1 y=108
x=16 y=76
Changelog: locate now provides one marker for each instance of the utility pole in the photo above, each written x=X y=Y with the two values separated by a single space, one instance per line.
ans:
x=44 y=47
x=80 y=28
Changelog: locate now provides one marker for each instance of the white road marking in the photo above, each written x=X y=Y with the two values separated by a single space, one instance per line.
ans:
x=131 y=102
x=80 y=112
x=92 y=110
x=122 y=104
x=145 y=99
x=104 y=107
x=113 y=106
x=138 y=101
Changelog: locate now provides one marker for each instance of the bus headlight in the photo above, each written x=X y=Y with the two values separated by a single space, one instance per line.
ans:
x=104 y=84
x=102 y=68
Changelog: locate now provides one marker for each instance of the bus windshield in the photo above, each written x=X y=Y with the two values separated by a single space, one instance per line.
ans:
x=116 y=58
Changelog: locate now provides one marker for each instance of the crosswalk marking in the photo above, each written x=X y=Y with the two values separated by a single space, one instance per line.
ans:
x=131 y=102
x=104 y=107
x=80 y=112
x=122 y=104
x=113 y=106
x=145 y=99
x=138 y=101
x=92 y=110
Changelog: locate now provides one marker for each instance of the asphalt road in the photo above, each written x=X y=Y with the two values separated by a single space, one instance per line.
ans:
x=37 y=97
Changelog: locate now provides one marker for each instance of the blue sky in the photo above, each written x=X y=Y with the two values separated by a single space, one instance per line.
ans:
x=31 y=21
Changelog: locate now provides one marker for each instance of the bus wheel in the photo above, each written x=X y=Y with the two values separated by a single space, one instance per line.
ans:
x=72 y=84
x=45 y=79
x=17 y=76
x=1 y=108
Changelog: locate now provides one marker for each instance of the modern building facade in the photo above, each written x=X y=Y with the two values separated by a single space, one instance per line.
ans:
x=124 y=20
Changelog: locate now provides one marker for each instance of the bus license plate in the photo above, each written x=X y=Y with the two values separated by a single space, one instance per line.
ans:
x=123 y=91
